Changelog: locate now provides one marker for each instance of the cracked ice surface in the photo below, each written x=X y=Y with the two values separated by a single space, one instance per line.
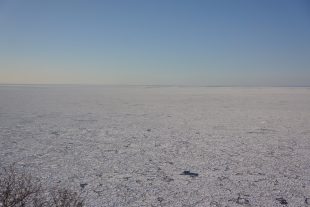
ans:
x=130 y=146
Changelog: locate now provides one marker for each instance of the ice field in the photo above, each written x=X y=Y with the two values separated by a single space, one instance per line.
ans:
x=162 y=146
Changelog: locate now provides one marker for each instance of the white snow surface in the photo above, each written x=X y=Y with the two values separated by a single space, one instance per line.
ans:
x=129 y=145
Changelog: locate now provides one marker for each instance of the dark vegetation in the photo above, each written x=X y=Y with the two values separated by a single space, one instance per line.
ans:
x=20 y=189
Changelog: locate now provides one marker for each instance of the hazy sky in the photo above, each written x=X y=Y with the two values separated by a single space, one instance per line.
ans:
x=190 y=42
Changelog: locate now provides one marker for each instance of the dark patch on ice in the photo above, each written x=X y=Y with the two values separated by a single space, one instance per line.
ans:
x=214 y=204
x=127 y=145
x=282 y=201
x=307 y=201
x=262 y=131
x=111 y=150
x=56 y=133
x=189 y=173
x=99 y=175
x=168 y=179
x=160 y=199
x=222 y=178
x=242 y=201
x=83 y=185
x=149 y=130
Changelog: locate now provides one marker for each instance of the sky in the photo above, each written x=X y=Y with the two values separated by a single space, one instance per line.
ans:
x=155 y=42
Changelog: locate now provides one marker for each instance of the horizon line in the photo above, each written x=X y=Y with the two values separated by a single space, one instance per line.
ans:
x=148 y=85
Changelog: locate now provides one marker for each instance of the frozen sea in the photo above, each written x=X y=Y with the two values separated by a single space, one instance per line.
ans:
x=130 y=145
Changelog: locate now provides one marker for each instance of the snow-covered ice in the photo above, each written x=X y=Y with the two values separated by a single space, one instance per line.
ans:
x=162 y=146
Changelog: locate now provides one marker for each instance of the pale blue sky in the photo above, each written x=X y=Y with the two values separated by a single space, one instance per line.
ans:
x=190 y=42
